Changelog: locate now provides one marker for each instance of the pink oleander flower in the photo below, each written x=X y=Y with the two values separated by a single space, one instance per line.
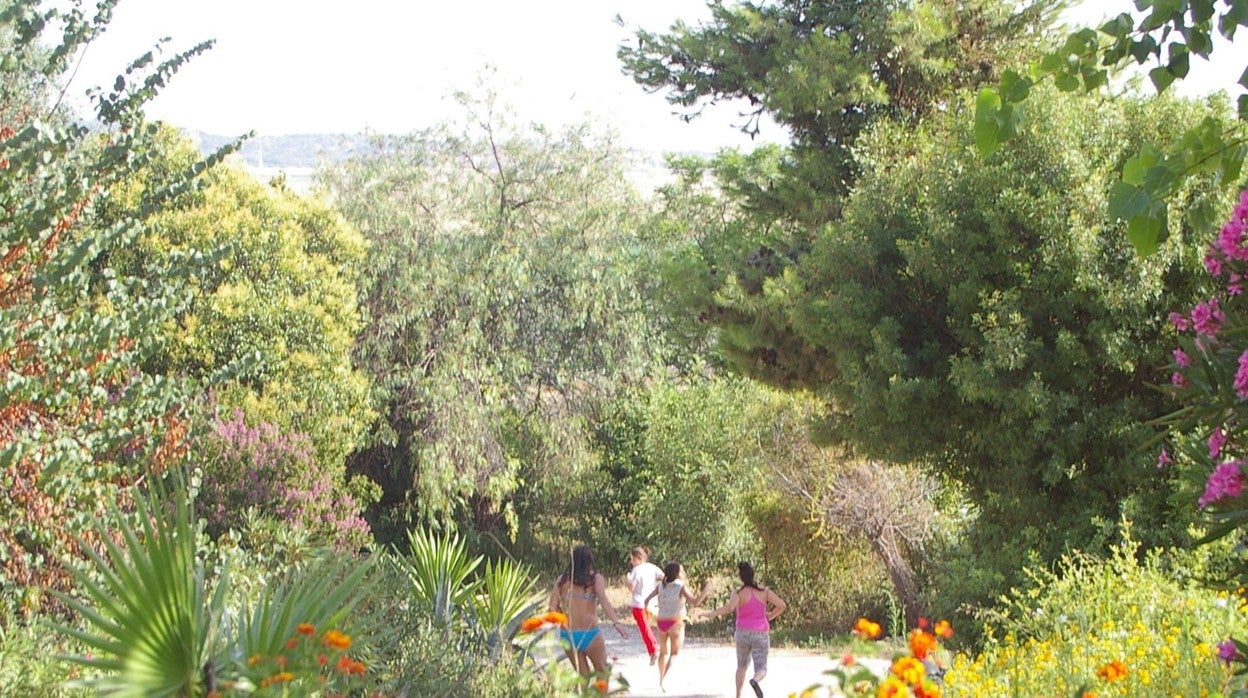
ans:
x=1177 y=380
x=1213 y=264
x=1231 y=239
x=1181 y=359
x=1216 y=441
x=1241 y=376
x=1180 y=322
x=1207 y=318
x=1164 y=459
x=1227 y=651
x=1226 y=481
x=1236 y=286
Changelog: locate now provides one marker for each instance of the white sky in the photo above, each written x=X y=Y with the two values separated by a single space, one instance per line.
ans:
x=303 y=66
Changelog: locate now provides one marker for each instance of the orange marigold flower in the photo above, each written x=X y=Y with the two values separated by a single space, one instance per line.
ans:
x=531 y=624
x=866 y=629
x=280 y=677
x=601 y=685
x=922 y=643
x=1112 y=671
x=891 y=687
x=556 y=618
x=1088 y=694
x=306 y=629
x=336 y=639
x=909 y=670
x=321 y=659
x=292 y=643
x=927 y=689
x=944 y=629
x=923 y=623
x=847 y=659
x=280 y=661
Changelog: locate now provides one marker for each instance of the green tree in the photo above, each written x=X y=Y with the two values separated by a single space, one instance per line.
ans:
x=1164 y=34
x=987 y=319
x=278 y=299
x=827 y=69
x=79 y=417
x=502 y=293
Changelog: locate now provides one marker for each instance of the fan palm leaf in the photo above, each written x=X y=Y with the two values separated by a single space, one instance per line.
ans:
x=146 y=608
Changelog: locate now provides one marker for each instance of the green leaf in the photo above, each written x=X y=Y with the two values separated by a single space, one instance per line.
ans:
x=1159 y=179
x=1237 y=13
x=1144 y=232
x=1180 y=60
x=1231 y=163
x=1242 y=110
x=1066 y=82
x=1133 y=170
x=1161 y=77
x=1093 y=78
x=1202 y=10
x=1014 y=87
x=1200 y=43
x=1052 y=62
x=1144 y=49
x=988 y=122
x=1119 y=26
x=1127 y=201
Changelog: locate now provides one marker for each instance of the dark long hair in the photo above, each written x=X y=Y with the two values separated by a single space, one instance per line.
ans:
x=746 y=570
x=582 y=570
x=671 y=572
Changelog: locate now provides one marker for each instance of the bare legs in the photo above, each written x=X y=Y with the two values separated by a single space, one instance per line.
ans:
x=595 y=656
x=670 y=642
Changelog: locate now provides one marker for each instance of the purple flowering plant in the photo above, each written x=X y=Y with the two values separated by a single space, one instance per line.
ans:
x=1208 y=434
x=275 y=472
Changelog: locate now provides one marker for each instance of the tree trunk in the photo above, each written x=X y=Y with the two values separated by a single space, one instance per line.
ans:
x=902 y=575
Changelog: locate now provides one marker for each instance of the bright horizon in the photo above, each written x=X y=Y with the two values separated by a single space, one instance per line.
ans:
x=289 y=67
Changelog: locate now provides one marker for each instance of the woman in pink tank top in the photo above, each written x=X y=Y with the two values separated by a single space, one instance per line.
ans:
x=756 y=607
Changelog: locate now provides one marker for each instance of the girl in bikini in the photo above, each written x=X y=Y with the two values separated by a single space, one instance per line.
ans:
x=578 y=591
x=673 y=594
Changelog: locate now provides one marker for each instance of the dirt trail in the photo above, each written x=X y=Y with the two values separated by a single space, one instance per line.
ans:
x=705 y=668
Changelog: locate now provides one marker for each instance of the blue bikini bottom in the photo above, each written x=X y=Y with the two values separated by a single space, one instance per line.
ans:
x=579 y=639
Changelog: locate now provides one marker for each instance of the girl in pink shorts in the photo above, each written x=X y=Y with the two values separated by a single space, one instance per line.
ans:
x=673 y=595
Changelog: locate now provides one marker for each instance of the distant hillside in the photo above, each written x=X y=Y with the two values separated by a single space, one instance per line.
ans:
x=305 y=150
x=297 y=156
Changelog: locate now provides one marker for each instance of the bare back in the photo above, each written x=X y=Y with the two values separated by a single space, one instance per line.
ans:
x=578 y=602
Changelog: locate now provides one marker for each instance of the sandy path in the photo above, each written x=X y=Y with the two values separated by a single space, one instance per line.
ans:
x=705 y=668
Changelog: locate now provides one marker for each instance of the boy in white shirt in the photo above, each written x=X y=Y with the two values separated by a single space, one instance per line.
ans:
x=642 y=580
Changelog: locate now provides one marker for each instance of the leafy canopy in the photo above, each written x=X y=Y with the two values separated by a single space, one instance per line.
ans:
x=1165 y=34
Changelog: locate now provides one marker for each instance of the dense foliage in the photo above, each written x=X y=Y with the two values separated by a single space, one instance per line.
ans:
x=80 y=417
x=503 y=295
x=1086 y=61
x=986 y=318
x=827 y=70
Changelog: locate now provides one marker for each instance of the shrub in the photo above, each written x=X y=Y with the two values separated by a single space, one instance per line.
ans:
x=276 y=472
x=1060 y=633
